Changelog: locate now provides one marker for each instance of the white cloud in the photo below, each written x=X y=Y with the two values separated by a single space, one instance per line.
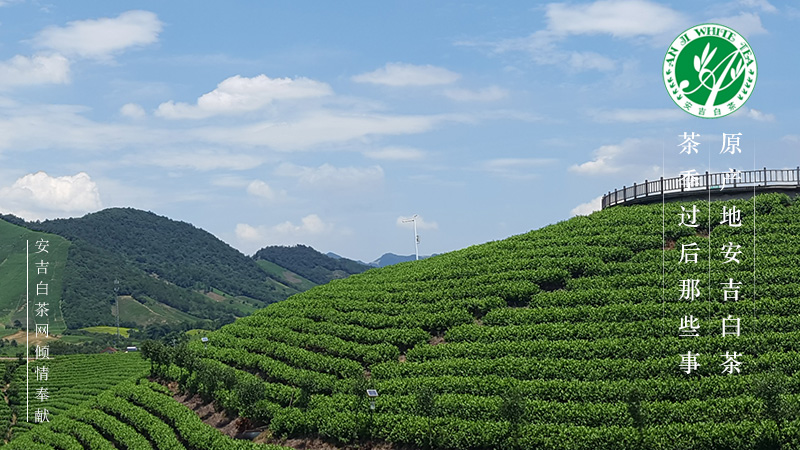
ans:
x=541 y=41
x=422 y=224
x=619 y=18
x=286 y=233
x=584 y=209
x=199 y=148
x=488 y=94
x=202 y=160
x=758 y=115
x=631 y=115
x=245 y=232
x=102 y=38
x=310 y=224
x=39 y=196
x=543 y=49
x=396 y=154
x=515 y=168
x=239 y=94
x=230 y=181
x=132 y=110
x=328 y=176
x=640 y=158
x=400 y=74
x=258 y=188
x=747 y=24
x=38 y=69
x=763 y=5
x=21 y=129
x=604 y=161
x=321 y=127
x=590 y=61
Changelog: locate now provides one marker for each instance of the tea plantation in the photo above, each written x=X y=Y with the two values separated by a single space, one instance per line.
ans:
x=567 y=337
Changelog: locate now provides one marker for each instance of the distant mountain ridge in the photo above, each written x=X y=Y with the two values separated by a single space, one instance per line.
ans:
x=309 y=263
x=387 y=259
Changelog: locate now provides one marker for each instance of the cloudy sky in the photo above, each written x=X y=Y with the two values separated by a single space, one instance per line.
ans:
x=326 y=123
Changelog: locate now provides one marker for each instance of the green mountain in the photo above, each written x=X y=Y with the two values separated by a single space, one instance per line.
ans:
x=309 y=263
x=83 y=282
x=176 y=251
x=164 y=271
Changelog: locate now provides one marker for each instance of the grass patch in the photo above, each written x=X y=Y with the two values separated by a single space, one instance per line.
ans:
x=7 y=332
x=13 y=277
x=284 y=277
x=109 y=330
x=148 y=313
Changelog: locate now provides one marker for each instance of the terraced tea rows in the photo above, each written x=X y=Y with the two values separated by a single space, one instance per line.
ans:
x=102 y=402
x=71 y=380
x=130 y=416
x=561 y=338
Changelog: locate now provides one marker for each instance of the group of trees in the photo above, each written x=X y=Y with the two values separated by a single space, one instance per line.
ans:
x=89 y=283
x=309 y=263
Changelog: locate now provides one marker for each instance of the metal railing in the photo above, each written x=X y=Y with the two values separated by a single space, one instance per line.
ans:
x=694 y=183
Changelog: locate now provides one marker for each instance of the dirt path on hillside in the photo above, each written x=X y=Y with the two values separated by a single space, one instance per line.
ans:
x=19 y=336
x=232 y=426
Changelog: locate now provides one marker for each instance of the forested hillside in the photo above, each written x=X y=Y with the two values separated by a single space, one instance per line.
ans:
x=82 y=284
x=309 y=263
x=89 y=295
x=165 y=272
x=177 y=251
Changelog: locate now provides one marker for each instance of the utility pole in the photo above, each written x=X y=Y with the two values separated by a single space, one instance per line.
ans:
x=116 y=301
x=416 y=236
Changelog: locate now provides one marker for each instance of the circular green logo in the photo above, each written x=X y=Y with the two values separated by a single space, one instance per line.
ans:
x=710 y=70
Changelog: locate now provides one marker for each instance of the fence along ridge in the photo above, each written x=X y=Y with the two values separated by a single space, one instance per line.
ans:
x=703 y=182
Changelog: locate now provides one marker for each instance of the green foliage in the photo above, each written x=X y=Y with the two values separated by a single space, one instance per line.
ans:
x=13 y=239
x=135 y=416
x=89 y=282
x=309 y=263
x=176 y=251
x=770 y=387
x=561 y=338
x=72 y=379
x=165 y=266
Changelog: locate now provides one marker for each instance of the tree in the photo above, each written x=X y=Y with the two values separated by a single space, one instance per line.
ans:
x=426 y=406
x=512 y=410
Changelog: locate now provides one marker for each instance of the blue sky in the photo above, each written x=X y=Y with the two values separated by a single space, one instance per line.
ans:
x=326 y=123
